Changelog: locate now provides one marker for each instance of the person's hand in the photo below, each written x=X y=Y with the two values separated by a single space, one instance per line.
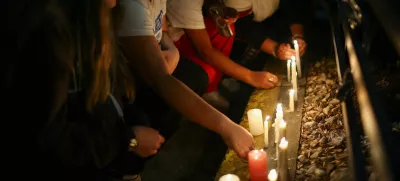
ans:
x=302 y=46
x=149 y=141
x=239 y=139
x=284 y=52
x=172 y=57
x=263 y=80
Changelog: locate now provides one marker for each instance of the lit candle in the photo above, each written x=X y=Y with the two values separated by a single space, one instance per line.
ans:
x=298 y=60
x=277 y=120
x=288 y=70
x=294 y=77
x=258 y=165
x=229 y=177
x=279 y=111
x=273 y=176
x=291 y=100
x=266 y=127
x=278 y=117
x=283 y=161
x=282 y=129
x=255 y=121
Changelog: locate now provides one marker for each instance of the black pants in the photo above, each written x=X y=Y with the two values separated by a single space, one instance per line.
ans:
x=160 y=115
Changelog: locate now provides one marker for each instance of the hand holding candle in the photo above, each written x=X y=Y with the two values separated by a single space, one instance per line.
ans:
x=258 y=165
x=255 y=121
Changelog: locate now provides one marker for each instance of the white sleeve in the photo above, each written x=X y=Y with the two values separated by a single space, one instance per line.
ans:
x=185 y=14
x=136 y=20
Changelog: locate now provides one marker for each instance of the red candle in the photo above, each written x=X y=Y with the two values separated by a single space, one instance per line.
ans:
x=258 y=165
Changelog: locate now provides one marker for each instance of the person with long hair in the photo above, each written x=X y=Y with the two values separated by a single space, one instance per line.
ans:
x=65 y=65
x=141 y=35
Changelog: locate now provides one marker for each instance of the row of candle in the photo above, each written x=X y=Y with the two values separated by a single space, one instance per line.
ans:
x=257 y=159
x=292 y=73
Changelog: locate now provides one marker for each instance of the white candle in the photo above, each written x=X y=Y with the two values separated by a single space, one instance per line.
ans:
x=294 y=77
x=288 y=70
x=277 y=120
x=255 y=121
x=291 y=100
x=278 y=117
x=266 y=131
x=279 y=111
x=273 y=175
x=298 y=60
x=283 y=165
x=229 y=177
x=295 y=89
x=282 y=129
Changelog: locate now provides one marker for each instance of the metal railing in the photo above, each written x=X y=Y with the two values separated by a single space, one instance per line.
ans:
x=355 y=73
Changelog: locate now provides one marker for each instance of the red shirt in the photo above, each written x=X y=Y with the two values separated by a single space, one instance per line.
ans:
x=221 y=43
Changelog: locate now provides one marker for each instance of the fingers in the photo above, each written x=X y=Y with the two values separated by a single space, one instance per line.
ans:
x=267 y=85
x=161 y=139
x=274 y=78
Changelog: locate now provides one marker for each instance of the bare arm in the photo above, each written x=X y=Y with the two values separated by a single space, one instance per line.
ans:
x=202 y=43
x=170 y=52
x=148 y=61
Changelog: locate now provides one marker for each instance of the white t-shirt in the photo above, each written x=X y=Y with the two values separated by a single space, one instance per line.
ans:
x=142 y=18
x=187 y=14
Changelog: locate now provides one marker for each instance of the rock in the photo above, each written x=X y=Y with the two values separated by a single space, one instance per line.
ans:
x=338 y=140
x=309 y=124
x=299 y=172
x=340 y=175
x=323 y=140
x=320 y=173
x=300 y=177
x=326 y=110
x=314 y=143
x=330 y=158
x=330 y=167
x=315 y=155
x=301 y=158
x=318 y=65
x=341 y=156
x=334 y=101
x=311 y=169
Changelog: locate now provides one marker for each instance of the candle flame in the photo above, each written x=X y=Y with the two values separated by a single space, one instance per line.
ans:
x=282 y=123
x=283 y=144
x=291 y=92
x=295 y=42
x=273 y=175
x=293 y=59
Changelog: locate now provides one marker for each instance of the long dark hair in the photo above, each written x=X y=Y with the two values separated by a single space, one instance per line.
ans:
x=106 y=70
